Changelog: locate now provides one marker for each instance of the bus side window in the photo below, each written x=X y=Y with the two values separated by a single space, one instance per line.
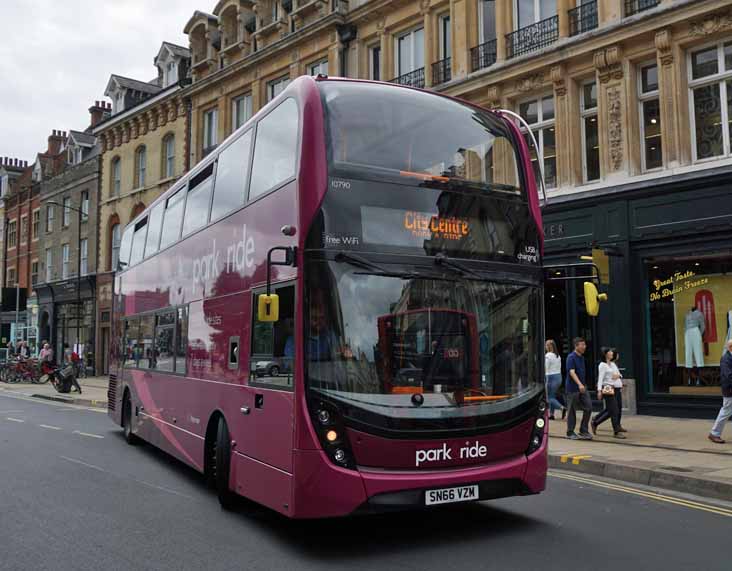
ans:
x=232 y=172
x=273 y=344
x=275 y=149
x=164 y=339
x=146 y=347
x=131 y=349
x=124 y=249
x=138 y=242
x=199 y=198
x=155 y=225
x=181 y=339
x=172 y=219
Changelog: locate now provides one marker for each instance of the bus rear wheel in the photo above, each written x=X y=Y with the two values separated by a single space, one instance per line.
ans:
x=130 y=437
x=222 y=466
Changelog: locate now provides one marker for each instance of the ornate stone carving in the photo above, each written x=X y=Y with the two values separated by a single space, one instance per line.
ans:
x=493 y=96
x=181 y=109
x=424 y=7
x=172 y=111
x=381 y=24
x=558 y=74
x=153 y=119
x=615 y=127
x=530 y=83
x=711 y=24
x=134 y=130
x=126 y=133
x=664 y=47
x=609 y=63
x=143 y=124
x=162 y=115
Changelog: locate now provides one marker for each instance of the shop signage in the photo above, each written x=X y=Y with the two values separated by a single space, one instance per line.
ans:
x=676 y=283
x=554 y=231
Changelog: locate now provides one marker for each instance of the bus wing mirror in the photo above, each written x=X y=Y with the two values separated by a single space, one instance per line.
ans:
x=593 y=299
x=268 y=307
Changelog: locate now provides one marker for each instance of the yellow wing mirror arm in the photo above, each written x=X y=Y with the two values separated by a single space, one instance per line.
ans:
x=268 y=304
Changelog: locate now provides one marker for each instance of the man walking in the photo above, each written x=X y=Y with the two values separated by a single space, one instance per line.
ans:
x=577 y=393
x=725 y=367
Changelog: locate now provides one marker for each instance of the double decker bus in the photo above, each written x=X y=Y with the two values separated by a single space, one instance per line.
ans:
x=352 y=238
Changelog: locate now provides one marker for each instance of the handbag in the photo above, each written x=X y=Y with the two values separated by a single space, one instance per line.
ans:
x=608 y=390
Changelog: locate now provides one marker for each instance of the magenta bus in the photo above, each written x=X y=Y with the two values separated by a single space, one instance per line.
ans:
x=337 y=204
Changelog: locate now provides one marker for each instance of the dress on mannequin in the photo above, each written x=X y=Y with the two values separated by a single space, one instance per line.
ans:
x=694 y=329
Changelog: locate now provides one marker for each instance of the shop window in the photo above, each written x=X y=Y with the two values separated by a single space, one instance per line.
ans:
x=232 y=173
x=273 y=344
x=710 y=83
x=590 y=134
x=689 y=301
x=539 y=113
x=650 y=118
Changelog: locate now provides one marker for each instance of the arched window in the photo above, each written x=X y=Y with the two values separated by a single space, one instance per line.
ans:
x=168 y=156
x=116 y=238
x=140 y=166
x=116 y=182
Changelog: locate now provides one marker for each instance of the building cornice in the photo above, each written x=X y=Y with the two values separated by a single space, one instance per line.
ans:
x=119 y=118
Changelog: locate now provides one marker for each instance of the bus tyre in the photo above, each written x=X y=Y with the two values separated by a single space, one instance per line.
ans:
x=222 y=466
x=130 y=438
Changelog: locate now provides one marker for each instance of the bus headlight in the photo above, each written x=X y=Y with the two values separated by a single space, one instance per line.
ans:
x=537 y=434
x=539 y=423
x=323 y=416
x=332 y=434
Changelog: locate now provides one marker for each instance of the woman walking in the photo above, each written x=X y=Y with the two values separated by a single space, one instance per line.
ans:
x=553 y=374
x=609 y=387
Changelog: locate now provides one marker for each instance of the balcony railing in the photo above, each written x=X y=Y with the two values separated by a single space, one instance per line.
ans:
x=441 y=71
x=583 y=18
x=635 y=6
x=532 y=37
x=413 y=78
x=484 y=55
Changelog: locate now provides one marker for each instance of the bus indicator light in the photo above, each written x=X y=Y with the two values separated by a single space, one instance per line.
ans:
x=331 y=435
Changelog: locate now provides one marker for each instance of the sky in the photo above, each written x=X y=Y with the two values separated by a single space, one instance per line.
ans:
x=56 y=57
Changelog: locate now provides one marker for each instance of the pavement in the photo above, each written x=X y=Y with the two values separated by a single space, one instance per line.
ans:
x=93 y=392
x=74 y=495
x=668 y=453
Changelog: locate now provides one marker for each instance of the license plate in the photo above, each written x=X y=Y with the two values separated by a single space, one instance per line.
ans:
x=450 y=495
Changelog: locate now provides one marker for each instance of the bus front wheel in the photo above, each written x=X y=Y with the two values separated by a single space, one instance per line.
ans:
x=222 y=466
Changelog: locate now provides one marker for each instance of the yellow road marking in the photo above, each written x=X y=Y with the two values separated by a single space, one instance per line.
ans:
x=87 y=434
x=50 y=427
x=11 y=419
x=650 y=495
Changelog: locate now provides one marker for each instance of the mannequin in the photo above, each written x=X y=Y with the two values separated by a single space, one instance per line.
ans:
x=693 y=332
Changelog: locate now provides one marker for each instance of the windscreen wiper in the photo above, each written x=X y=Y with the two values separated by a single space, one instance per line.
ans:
x=441 y=259
x=376 y=269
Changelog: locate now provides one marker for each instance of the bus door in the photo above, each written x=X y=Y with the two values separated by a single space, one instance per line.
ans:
x=269 y=433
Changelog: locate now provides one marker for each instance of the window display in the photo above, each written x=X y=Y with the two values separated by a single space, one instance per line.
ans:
x=689 y=321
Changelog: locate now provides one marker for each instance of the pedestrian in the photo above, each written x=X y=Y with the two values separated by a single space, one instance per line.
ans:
x=24 y=351
x=609 y=384
x=553 y=375
x=46 y=356
x=576 y=390
x=11 y=349
x=725 y=413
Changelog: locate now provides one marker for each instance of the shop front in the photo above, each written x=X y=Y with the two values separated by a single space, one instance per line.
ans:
x=669 y=246
x=67 y=317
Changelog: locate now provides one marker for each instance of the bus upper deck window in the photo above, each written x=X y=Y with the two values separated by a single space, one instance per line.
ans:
x=138 y=242
x=172 y=219
x=155 y=225
x=199 y=198
x=232 y=172
x=275 y=149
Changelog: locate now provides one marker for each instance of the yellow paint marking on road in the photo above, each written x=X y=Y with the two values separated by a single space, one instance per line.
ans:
x=650 y=495
x=576 y=459
x=87 y=434
x=11 y=419
x=50 y=427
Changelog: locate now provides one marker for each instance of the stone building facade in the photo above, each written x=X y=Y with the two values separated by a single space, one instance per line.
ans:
x=144 y=149
x=628 y=101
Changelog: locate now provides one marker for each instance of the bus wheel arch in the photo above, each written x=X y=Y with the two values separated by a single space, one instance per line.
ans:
x=217 y=461
x=209 y=448
x=129 y=436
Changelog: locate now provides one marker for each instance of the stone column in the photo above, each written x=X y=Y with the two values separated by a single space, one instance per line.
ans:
x=460 y=18
x=609 y=11
x=430 y=42
x=563 y=8
x=667 y=88
x=612 y=111
x=562 y=125
x=257 y=95
x=504 y=25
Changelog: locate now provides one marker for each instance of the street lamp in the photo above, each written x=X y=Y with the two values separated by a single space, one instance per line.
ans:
x=81 y=214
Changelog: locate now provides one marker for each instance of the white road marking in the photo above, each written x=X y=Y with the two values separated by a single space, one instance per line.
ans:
x=10 y=418
x=50 y=427
x=10 y=411
x=92 y=466
x=144 y=483
x=87 y=434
